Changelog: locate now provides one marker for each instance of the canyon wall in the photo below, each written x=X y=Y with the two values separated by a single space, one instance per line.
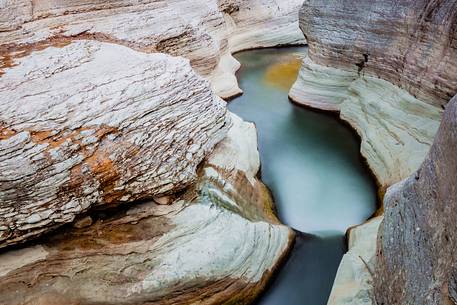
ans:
x=411 y=44
x=205 y=32
x=387 y=67
x=417 y=260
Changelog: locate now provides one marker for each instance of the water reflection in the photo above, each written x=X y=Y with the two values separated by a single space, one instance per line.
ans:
x=311 y=163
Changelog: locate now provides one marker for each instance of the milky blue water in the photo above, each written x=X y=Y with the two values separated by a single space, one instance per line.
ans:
x=311 y=163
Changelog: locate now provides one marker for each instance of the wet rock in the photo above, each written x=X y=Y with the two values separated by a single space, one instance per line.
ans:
x=89 y=123
x=217 y=243
x=205 y=32
x=416 y=245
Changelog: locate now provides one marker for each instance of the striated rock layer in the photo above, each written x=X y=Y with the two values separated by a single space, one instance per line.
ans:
x=216 y=243
x=206 y=32
x=417 y=261
x=90 y=123
x=387 y=67
x=412 y=44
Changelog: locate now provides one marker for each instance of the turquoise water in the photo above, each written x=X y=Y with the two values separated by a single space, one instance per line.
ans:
x=311 y=163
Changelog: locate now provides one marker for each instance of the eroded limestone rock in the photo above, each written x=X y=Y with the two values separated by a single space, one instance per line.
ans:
x=417 y=260
x=354 y=280
x=91 y=123
x=206 y=32
x=217 y=243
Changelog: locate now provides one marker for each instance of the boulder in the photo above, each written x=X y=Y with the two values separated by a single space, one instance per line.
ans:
x=90 y=124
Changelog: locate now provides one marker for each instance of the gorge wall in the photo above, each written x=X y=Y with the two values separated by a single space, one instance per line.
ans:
x=389 y=76
x=388 y=68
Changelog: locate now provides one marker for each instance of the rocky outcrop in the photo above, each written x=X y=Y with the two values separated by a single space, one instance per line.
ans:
x=206 y=32
x=386 y=67
x=354 y=280
x=218 y=242
x=417 y=258
x=88 y=123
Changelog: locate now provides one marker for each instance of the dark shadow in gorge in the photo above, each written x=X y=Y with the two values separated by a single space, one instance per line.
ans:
x=309 y=253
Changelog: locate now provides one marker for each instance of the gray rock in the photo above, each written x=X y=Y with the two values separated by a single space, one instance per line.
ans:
x=417 y=241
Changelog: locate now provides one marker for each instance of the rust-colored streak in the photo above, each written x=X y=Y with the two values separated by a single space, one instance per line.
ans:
x=5 y=132
x=6 y=61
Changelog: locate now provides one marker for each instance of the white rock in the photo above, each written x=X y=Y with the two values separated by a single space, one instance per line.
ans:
x=353 y=282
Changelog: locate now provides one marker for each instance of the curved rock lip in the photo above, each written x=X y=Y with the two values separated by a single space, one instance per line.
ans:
x=91 y=123
x=217 y=243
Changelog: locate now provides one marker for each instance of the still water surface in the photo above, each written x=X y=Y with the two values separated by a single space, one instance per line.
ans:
x=311 y=163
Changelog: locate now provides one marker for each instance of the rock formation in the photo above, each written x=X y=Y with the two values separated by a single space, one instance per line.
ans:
x=417 y=261
x=385 y=68
x=204 y=31
x=218 y=242
x=354 y=283
x=91 y=123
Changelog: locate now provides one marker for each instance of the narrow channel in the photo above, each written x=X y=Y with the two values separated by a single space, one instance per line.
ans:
x=312 y=165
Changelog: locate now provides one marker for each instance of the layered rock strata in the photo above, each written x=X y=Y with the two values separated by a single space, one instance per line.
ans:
x=411 y=44
x=416 y=246
x=390 y=75
x=218 y=242
x=89 y=123
x=206 y=32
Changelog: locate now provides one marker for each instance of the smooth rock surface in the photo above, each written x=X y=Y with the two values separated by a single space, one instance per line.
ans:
x=217 y=243
x=354 y=283
x=417 y=260
x=91 y=123
x=204 y=31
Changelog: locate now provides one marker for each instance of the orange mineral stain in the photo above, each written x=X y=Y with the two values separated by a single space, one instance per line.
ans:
x=283 y=74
